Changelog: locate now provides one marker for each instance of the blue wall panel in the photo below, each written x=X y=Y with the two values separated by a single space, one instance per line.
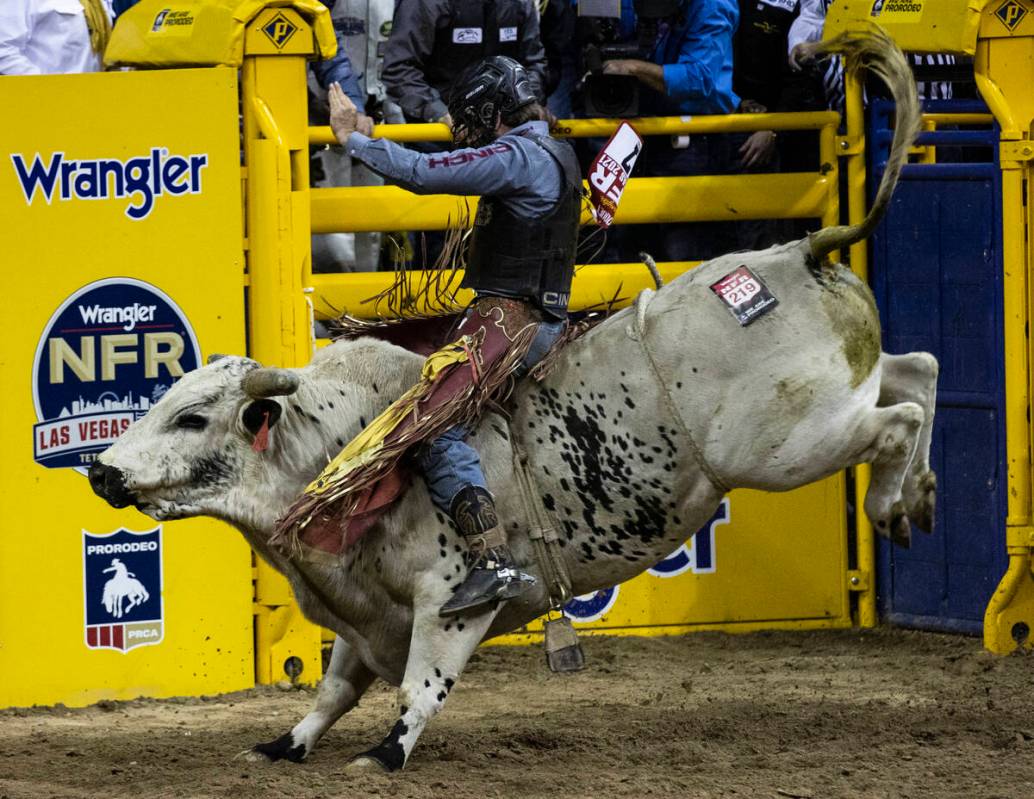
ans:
x=936 y=272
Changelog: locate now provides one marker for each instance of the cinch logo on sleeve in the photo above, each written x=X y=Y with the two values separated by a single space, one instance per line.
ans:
x=141 y=180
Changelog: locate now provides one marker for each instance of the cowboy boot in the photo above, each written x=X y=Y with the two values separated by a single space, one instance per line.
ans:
x=491 y=573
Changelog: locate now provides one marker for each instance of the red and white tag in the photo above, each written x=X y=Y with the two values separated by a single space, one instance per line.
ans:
x=744 y=295
x=611 y=170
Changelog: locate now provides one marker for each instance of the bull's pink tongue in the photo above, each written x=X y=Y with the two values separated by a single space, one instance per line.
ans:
x=261 y=443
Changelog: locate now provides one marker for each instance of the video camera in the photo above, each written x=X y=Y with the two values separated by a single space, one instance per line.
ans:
x=600 y=34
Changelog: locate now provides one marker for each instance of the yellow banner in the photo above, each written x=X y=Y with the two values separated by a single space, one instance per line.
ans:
x=211 y=32
x=922 y=26
x=123 y=239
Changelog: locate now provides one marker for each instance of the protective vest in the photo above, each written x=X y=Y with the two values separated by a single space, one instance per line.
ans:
x=477 y=29
x=513 y=256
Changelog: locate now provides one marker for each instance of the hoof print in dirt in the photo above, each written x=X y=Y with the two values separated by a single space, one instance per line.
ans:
x=282 y=748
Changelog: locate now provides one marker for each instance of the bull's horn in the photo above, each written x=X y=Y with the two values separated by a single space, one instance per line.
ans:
x=215 y=356
x=269 y=382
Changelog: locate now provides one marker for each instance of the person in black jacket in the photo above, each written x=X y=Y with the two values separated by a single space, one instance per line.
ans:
x=433 y=41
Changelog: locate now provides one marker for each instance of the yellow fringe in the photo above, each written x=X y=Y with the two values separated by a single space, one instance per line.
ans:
x=366 y=446
x=99 y=23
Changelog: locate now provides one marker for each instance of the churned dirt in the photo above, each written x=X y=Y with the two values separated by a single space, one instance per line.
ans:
x=830 y=714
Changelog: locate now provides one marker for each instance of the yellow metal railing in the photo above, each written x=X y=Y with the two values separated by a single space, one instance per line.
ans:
x=710 y=198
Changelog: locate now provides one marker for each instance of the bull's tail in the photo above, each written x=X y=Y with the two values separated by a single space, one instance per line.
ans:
x=876 y=51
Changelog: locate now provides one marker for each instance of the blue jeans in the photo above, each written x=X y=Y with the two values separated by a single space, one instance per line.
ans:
x=449 y=463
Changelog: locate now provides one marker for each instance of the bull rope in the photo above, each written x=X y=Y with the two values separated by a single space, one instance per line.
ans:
x=637 y=332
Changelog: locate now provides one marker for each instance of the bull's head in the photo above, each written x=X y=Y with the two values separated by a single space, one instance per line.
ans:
x=197 y=447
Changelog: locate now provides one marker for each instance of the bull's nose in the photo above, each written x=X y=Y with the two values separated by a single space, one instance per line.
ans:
x=109 y=484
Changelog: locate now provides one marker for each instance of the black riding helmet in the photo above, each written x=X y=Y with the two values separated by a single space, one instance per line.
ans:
x=494 y=86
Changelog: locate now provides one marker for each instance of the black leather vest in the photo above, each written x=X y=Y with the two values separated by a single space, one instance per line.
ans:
x=533 y=259
x=477 y=29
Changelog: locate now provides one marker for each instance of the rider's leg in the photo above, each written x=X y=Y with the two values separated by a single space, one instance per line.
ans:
x=456 y=482
x=457 y=485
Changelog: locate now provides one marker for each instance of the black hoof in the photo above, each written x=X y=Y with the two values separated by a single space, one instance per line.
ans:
x=388 y=754
x=282 y=748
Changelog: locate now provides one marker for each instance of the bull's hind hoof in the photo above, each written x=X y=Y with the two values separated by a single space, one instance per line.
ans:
x=367 y=763
x=283 y=748
x=922 y=515
x=900 y=527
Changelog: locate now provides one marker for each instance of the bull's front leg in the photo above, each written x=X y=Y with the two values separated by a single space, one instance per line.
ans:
x=344 y=683
x=438 y=652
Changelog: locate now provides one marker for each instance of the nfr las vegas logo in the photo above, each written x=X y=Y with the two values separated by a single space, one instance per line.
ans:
x=106 y=356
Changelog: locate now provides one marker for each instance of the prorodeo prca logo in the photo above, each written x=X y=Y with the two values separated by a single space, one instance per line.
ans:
x=122 y=582
x=106 y=356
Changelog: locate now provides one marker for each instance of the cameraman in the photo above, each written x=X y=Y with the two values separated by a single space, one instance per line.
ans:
x=689 y=72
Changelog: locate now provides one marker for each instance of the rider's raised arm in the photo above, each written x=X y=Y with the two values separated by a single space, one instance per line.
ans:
x=498 y=168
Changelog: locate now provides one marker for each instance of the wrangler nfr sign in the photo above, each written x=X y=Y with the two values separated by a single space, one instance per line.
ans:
x=123 y=254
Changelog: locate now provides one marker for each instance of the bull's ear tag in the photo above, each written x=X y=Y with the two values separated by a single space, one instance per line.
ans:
x=744 y=295
x=563 y=651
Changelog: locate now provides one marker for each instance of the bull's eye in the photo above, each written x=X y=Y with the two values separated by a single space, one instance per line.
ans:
x=191 y=421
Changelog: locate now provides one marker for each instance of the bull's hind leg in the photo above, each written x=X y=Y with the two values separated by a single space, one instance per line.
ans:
x=913 y=378
x=889 y=437
x=344 y=683
x=438 y=653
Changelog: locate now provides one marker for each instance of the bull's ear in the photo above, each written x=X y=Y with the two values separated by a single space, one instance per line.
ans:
x=258 y=412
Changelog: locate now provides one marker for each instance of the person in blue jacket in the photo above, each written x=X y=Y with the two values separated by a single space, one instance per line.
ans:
x=689 y=73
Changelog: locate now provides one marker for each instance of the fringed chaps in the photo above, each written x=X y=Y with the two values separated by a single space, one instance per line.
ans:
x=362 y=482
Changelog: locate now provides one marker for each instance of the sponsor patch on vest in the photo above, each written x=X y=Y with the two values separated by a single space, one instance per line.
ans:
x=466 y=35
x=105 y=357
x=122 y=589
x=350 y=26
x=508 y=34
x=786 y=5
x=744 y=295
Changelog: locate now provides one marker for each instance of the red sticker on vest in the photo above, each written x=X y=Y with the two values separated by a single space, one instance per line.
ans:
x=744 y=295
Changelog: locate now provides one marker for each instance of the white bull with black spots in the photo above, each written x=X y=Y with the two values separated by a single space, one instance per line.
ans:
x=647 y=421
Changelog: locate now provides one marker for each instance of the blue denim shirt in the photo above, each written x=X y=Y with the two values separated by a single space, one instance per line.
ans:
x=696 y=54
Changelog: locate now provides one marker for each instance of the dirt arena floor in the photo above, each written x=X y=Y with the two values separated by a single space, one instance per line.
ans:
x=833 y=714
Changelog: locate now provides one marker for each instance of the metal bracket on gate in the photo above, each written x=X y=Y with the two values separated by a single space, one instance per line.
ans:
x=1016 y=152
x=858 y=580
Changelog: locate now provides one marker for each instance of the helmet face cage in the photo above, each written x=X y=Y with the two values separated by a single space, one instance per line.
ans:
x=497 y=85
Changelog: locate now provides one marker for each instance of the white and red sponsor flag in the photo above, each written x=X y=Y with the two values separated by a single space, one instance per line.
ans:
x=610 y=172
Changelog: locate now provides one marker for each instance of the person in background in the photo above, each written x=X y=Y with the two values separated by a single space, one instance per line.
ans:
x=690 y=73
x=433 y=41
x=807 y=30
x=47 y=37
x=765 y=83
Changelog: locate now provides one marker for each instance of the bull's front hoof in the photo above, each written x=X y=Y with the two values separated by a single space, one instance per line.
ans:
x=367 y=763
x=283 y=748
